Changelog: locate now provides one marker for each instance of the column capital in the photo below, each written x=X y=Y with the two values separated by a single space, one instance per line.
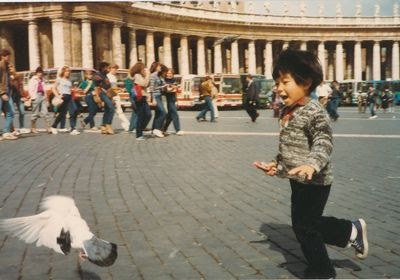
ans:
x=58 y=19
x=117 y=24
x=86 y=20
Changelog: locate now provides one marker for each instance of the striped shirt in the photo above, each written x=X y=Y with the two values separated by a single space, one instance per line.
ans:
x=306 y=139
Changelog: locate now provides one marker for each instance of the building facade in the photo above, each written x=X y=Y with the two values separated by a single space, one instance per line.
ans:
x=182 y=35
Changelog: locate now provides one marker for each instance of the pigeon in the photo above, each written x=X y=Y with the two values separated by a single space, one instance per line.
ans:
x=226 y=39
x=60 y=227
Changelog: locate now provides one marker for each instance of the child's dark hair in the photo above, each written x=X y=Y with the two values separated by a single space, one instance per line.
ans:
x=302 y=65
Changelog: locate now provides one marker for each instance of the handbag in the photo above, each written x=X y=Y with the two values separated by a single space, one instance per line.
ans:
x=97 y=100
x=57 y=101
x=139 y=92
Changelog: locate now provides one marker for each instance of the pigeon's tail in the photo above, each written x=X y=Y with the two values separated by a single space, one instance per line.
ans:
x=100 y=252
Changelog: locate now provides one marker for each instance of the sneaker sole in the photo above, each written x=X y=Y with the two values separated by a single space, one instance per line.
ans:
x=365 y=241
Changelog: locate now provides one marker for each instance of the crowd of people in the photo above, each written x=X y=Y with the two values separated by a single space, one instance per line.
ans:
x=101 y=92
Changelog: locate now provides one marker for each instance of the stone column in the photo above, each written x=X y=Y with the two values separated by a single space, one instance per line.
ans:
x=133 y=57
x=218 y=58
x=149 y=48
x=357 y=61
x=201 y=57
x=57 y=29
x=116 y=45
x=395 y=61
x=76 y=43
x=321 y=56
x=252 y=57
x=268 y=59
x=167 y=50
x=339 y=62
x=376 y=63
x=184 y=66
x=303 y=46
x=330 y=72
x=33 y=41
x=235 y=57
x=87 y=47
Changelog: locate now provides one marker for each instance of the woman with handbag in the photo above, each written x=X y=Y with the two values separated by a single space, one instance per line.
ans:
x=62 y=89
x=139 y=94
x=104 y=91
x=172 y=115
x=129 y=87
x=87 y=85
x=156 y=88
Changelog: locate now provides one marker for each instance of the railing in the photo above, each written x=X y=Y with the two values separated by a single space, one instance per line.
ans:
x=266 y=19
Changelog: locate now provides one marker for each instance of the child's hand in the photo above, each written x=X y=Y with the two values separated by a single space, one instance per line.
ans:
x=269 y=168
x=303 y=170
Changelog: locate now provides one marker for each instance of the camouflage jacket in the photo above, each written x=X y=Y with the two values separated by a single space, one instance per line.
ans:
x=306 y=139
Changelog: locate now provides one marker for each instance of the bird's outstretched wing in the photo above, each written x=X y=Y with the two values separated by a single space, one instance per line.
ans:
x=58 y=227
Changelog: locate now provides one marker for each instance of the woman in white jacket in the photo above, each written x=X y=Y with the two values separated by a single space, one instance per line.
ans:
x=39 y=100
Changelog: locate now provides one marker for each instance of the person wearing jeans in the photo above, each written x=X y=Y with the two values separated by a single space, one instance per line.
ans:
x=39 y=100
x=102 y=85
x=172 y=114
x=87 y=85
x=205 y=93
x=158 y=72
x=140 y=80
x=5 y=96
x=371 y=100
x=62 y=87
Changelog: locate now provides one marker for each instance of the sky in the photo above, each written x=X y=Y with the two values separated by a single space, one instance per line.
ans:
x=313 y=6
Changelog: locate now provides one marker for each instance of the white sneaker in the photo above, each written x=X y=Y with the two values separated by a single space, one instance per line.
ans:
x=54 y=131
x=9 y=136
x=24 y=131
x=373 y=117
x=75 y=132
x=16 y=133
x=158 y=133
x=141 y=138
x=180 y=133
x=63 y=130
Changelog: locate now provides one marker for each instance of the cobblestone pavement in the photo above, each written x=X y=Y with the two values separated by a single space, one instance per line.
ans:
x=193 y=207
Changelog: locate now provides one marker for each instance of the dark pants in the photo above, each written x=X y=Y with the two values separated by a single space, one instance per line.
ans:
x=251 y=109
x=62 y=111
x=143 y=116
x=314 y=230
x=332 y=107
x=108 y=109
x=92 y=108
x=160 y=113
x=172 y=114
x=208 y=106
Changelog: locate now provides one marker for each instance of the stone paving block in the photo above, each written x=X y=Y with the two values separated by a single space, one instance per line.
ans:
x=193 y=207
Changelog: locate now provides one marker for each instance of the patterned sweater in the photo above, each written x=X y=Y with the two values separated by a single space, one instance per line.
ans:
x=306 y=139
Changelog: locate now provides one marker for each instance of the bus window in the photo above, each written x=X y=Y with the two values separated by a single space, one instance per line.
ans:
x=231 y=86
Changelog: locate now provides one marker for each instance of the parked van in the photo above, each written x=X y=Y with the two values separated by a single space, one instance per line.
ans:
x=230 y=90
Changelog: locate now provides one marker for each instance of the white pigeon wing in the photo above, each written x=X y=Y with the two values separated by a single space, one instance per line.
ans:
x=60 y=213
x=43 y=228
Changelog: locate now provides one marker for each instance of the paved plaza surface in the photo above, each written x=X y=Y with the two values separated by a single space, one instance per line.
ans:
x=193 y=207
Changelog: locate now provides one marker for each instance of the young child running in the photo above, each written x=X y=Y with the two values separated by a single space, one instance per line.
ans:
x=305 y=146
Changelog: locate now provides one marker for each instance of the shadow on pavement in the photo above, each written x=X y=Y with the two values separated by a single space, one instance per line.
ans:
x=89 y=275
x=280 y=238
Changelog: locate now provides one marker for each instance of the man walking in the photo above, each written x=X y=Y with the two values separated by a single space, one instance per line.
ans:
x=371 y=100
x=5 y=98
x=253 y=98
